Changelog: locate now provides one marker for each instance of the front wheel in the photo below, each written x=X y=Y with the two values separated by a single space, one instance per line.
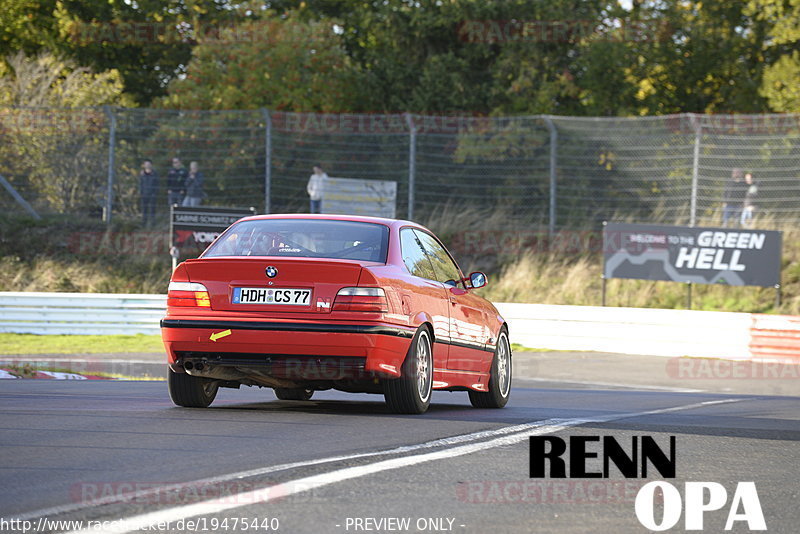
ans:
x=499 y=380
x=411 y=393
x=299 y=394
x=191 y=391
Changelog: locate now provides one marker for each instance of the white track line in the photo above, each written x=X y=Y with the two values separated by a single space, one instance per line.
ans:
x=612 y=384
x=507 y=437
x=143 y=495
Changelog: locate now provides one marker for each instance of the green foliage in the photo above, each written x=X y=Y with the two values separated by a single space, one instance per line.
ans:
x=147 y=41
x=280 y=63
x=781 y=81
x=707 y=59
x=27 y=25
x=781 y=85
x=579 y=58
x=56 y=152
x=46 y=81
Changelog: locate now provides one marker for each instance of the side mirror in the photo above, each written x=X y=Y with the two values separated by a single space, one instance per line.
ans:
x=477 y=279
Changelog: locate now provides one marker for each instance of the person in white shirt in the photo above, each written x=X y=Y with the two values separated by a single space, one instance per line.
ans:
x=749 y=207
x=316 y=188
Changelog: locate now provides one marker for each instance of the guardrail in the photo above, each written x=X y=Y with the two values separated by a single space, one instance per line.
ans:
x=657 y=332
x=733 y=336
x=630 y=330
x=80 y=313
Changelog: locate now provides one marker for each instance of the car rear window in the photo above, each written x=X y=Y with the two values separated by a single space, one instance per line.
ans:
x=305 y=238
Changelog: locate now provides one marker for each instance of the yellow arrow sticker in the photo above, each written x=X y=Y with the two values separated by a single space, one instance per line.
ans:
x=219 y=335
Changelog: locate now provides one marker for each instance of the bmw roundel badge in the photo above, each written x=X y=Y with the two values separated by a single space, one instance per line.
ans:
x=272 y=272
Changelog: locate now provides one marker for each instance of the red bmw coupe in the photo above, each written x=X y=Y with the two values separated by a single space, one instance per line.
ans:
x=301 y=303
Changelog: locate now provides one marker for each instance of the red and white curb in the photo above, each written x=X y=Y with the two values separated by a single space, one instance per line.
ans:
x=49 y=375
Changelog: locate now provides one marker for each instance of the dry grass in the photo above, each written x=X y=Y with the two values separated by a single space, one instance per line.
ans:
x=480 y=239
x=84 y=276
x=576 y=279
x=521 y=270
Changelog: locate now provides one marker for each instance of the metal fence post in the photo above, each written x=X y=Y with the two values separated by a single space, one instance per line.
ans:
x=551 y=127
x=412 y=167
x=267 y=159
x=698 y=132
x=112 y=141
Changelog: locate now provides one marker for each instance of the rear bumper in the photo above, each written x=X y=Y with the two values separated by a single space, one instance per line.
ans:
x=380 y=348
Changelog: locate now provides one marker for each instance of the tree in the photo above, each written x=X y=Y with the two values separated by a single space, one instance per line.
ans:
x=148 y=42
x=781 y=82
x=278 y=62
x=53 y=150
x=47 y=81
x=708 y=59
x=431 y=56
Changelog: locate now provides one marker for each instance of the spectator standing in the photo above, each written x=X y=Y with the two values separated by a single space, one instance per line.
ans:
x=148 y=189
x=176 y=182
x=733 y=198
x=749 y=206
x=194 y=187
x=316 y=188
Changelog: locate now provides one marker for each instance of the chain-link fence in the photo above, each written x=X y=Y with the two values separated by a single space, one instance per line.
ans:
x=540 y=171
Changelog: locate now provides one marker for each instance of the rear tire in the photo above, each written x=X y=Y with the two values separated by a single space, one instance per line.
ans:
x=411 y=393
x=191 y=391
x=298 y=394
x=499 y=379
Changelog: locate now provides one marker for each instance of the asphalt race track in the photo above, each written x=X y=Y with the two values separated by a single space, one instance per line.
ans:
x=121 y=452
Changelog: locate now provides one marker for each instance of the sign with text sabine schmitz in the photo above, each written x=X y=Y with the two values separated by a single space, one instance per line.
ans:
x=193 y=229
x=732 y=256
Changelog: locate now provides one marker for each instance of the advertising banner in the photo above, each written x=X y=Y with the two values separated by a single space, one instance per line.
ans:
x=349 y=196
x=732 y=256
x=193 y=229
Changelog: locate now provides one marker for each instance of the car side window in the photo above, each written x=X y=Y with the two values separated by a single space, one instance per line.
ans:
x=414 y=255
x=443 y=266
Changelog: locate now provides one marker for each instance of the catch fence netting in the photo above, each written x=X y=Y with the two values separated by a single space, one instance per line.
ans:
x=541 y=172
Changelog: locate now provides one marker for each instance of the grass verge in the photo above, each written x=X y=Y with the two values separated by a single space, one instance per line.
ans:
x=55 y=344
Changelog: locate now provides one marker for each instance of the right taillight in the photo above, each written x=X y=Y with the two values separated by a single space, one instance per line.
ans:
x=188 y=294
x=361 y=299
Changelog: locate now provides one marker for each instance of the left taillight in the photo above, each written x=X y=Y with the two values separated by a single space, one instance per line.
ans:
x=361 y=299
x=188 y=294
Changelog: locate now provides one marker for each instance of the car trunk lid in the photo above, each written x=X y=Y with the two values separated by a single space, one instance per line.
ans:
x=233 y=284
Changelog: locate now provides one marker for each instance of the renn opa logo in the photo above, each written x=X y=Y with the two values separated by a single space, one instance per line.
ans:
x=586 y=453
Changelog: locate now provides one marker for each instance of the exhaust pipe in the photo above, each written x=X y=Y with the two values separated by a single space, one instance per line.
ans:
x=188 y=365
x=199 y=366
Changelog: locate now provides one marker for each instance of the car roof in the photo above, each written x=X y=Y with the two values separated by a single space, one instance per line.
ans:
x=333 y=217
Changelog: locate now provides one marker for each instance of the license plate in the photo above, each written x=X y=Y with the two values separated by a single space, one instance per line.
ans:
x=282 y=296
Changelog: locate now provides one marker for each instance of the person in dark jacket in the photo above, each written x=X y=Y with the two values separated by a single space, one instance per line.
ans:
x=733 y=197
x=148 y=189
x=194 y=187
x=176 y=183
